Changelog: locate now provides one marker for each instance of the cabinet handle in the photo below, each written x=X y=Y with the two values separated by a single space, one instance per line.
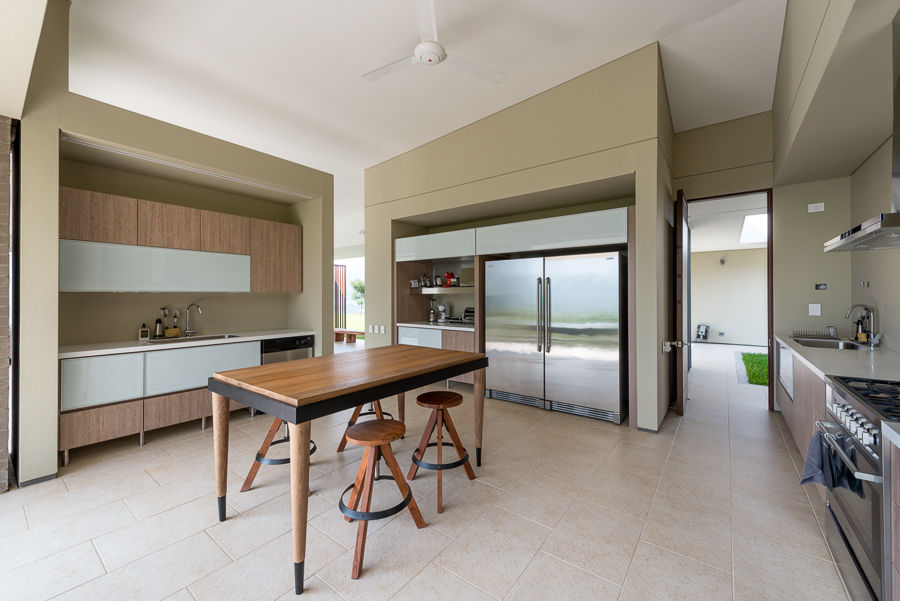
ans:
x=539 y=312
x=547 y=319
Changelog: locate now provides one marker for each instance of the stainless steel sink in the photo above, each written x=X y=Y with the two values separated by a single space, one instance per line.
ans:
x=834 y=343
x=190 y=338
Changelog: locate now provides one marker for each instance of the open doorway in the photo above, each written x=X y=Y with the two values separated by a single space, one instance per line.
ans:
x=349 y=304
x=727 y=291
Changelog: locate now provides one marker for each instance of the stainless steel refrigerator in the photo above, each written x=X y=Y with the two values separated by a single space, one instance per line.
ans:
x=555 y=335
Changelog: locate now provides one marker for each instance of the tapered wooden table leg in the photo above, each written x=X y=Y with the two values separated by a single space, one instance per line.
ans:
x=401 y=408
x=479 y=413
x=299 y=434
x=220 y=448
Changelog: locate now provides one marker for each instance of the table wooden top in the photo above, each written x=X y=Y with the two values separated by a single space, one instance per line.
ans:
x=306 y=381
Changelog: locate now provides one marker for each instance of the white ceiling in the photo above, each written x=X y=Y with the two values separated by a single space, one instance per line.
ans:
x=284 y=76
x=716 y=224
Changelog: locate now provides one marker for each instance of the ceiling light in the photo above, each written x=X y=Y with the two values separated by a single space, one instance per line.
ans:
x=755 y=229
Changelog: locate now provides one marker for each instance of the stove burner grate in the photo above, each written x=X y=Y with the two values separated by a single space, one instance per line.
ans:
x=882 y=395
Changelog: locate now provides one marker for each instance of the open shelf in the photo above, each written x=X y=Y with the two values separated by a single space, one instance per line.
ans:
x=443 y=290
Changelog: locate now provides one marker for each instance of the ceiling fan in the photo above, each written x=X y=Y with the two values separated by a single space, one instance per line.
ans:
x=430 y=52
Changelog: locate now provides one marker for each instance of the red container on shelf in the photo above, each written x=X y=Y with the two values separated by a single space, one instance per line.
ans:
x=447 y=277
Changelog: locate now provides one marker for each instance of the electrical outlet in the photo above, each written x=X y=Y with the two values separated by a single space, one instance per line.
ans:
x=815 y=309
x=815 y=207
x=371 y=329
x=721 y=333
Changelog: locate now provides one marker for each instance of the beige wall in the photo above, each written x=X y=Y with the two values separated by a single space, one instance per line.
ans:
x=49 y=108
x=800 y=261
x=870 y=192
x=730 y=298
x=726 y=158
x=603 y=124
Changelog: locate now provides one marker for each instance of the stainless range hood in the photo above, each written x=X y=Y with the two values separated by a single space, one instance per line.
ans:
x=883 y=230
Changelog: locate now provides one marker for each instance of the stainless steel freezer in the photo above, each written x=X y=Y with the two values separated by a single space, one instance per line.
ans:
x=553 y=333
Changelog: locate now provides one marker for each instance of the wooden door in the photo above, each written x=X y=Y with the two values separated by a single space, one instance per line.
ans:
x=97 y=217
x=276 y=257
x=224 y=233
x=168 y=226
x=682 y=307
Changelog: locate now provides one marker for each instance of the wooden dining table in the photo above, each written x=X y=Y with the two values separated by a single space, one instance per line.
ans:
x=302 y=390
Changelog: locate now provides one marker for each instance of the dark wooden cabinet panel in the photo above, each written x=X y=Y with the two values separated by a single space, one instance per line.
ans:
x=276 y=257
x=224 y=233
x=168 y=226
x=87 y=426
x=97 y=217
x=169 y=409
x=455 y=340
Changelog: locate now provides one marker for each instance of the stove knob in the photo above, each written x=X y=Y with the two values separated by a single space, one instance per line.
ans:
x=867 y=437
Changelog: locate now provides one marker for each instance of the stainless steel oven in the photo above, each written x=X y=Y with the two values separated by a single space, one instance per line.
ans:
x=854 y=526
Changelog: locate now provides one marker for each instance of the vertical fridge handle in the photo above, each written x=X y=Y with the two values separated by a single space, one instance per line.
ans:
x=539 y=312
x=547 y=318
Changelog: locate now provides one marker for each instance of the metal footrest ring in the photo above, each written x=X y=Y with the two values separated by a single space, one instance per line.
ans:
x=281 y=461
x=373 y=515
x=440 y=466
x=364 y=413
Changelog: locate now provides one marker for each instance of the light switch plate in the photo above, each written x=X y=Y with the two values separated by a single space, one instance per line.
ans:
x=815 y=309
x=815 y=207
x=371 y=329
x=381 y=329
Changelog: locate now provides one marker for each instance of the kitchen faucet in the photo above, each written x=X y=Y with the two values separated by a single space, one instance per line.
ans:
x=874 y=334
x=187 y=319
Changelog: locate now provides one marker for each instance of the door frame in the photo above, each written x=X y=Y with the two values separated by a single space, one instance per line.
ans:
x=770 y=282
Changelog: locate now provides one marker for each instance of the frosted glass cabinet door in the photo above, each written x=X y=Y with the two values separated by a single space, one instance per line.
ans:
x=101 y=267
x=183 y=369
x=460 y=243
x=88 y=381
x=419 y=336
x=569 y=231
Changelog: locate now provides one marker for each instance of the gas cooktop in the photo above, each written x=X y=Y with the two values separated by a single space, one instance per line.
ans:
x=883 y=396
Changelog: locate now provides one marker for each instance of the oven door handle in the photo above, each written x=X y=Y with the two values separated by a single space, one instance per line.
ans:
x=832 y=442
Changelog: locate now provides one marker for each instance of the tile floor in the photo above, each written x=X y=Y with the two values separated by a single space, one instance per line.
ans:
x=563 y=508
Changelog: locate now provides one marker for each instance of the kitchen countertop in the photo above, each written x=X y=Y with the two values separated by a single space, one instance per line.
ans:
x=133 y=346
x=433 y=325
x=880 y=364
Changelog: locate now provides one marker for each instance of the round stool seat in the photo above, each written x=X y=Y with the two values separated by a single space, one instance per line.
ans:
x=439 y=399
x=375 y=432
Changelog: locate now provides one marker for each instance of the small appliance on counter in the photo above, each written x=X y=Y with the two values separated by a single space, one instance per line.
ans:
x=443 y=311
x=431 y=315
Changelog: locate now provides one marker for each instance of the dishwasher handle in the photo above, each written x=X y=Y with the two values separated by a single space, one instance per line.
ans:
x=831 y=441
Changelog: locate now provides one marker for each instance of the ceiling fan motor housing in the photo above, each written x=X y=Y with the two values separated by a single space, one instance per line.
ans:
x=430 y=53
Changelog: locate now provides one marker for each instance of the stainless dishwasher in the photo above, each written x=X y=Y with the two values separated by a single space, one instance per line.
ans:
x=276 y=350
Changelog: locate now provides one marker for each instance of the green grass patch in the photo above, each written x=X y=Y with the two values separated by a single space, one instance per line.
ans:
x=757 y=365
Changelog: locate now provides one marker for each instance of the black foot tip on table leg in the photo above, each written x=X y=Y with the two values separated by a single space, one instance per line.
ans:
x=221 y=501
x=478 y=456
x=298 y=578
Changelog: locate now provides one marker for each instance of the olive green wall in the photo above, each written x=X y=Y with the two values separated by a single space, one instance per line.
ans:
x=607 y=123
x=51 y=108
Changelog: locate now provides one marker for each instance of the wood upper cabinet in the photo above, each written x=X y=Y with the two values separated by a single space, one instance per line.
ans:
x=276 y=257
x=168 y=226
x=224 y=233
x=97 y=217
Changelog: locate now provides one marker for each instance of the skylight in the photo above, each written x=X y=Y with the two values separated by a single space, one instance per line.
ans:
x=755 y=229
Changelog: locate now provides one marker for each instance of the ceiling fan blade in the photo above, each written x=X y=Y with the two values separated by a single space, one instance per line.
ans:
x=427 y=20
x=389 y=68
x=476 y=69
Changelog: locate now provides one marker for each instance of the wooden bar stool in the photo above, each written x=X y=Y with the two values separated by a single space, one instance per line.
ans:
x=358 y=413
x=375 y=436
x=261 y=458
x=439 y=401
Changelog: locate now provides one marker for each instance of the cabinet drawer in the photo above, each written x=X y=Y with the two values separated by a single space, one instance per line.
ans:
x=419 y=337
x=88 y=381
x=460 y=243
x=454 y=340
x=189 y=368
x=87 y=426
x=162 y=411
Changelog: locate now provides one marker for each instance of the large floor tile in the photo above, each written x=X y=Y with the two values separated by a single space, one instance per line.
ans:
x=394 y=555
x=437 y=583
x=765 y=520
x=267 y=572
x=547 y=577
x=642 y=460
x=705 y=487
x=52 y=575
x=622 y=490
x=157 y=575
x=596 y=539
x=692 y=530
x=660 y=575
x=541 y=497
x=771 y=479
x=494 y=552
